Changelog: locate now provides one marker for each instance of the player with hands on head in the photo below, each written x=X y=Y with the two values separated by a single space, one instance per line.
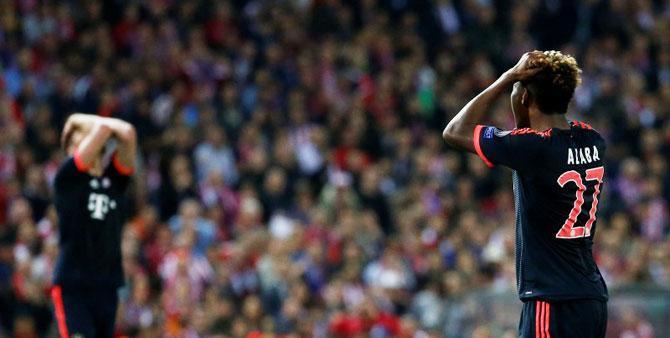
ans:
x=86 y=136
x=89 y=199
x=558 y=173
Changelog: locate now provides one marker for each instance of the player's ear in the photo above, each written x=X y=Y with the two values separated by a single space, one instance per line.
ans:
x=525 y=97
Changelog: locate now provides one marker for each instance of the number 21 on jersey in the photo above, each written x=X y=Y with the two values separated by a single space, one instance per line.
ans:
x=569 y=230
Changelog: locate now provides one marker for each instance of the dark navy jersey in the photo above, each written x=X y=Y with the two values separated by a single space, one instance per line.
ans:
x=557 y=180
x=90 y=221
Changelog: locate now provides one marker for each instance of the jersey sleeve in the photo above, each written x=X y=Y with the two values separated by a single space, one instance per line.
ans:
x=119 y=173
x=120 y=168
x=515 y=149
x=72 y=169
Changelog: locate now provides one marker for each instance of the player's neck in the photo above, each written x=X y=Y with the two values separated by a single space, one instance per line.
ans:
x=541 y=121
x=96 y=171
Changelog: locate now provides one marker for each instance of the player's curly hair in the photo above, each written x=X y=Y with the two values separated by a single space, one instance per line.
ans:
x=555 y=84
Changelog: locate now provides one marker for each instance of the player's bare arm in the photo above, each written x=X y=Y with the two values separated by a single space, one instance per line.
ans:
x=125 y=134
x=459 y=131
x=97 y=131
x=95 y=136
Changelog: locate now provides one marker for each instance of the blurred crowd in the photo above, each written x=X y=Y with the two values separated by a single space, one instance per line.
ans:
x=292 y=181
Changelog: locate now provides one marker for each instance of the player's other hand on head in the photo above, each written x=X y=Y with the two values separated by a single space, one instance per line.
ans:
x=71 y=125
x=524 y=68
x=77 y=122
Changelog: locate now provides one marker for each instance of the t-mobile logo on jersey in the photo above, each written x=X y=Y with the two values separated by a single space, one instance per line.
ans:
x=99 y=205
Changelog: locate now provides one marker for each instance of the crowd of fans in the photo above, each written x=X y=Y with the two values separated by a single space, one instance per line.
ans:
x=292 y=179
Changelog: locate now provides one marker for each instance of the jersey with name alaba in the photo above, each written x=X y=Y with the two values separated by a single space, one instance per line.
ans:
x=557 y=179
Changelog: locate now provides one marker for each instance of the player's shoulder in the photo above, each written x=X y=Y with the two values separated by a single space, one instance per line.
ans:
x=66 y=166
x=583 y=126
x=68 y=172
x=527 y=139
x=490 y=132
x=586 y=129
x=531 y=133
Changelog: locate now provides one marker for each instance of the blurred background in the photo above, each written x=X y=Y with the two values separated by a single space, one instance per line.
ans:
x=292 y=181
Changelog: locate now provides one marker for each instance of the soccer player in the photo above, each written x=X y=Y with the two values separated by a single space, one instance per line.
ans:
x=89 y=198
x=557 y=175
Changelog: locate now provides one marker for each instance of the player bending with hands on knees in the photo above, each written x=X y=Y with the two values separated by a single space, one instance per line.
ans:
x=89 y=199
x=557 y=175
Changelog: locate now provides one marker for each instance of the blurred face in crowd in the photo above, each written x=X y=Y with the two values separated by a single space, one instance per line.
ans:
x=252 y=308
x=20 y=211
x=180 y=173
x=190 y=212
x=215 y=136
x=141 y=289
x=275 y=181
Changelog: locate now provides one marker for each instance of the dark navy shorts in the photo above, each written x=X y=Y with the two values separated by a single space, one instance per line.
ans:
x=85 y=312
x=584 y=318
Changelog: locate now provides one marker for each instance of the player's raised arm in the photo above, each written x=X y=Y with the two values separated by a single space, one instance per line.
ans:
x=97 y=130
x=96 y=133
x=125 y=133
x=459 y=131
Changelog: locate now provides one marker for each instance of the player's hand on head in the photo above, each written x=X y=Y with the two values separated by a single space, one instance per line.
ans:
x=67 y=131
x=84 y=122
x=78 y=122
x=524 y=70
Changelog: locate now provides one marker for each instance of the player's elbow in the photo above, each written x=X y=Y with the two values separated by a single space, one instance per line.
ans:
x=458 y=136
x=450 y=133
x=132 y=133
x=129 y=134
